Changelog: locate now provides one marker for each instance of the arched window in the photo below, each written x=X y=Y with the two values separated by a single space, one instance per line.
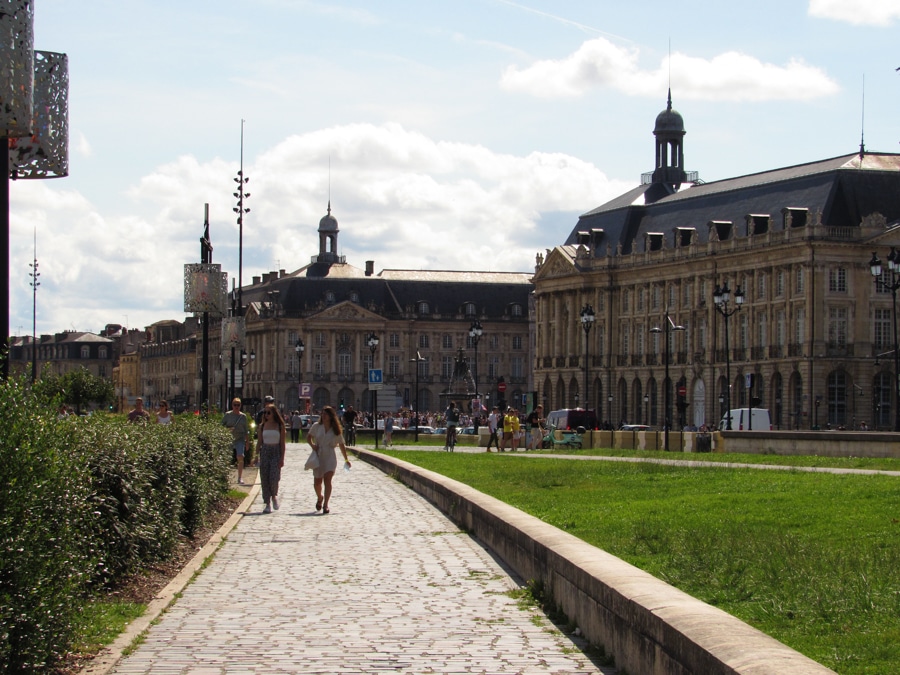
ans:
x=469 y=309
x=515 y=309
x=837 y=398
x=424 y=309
x=85 y=352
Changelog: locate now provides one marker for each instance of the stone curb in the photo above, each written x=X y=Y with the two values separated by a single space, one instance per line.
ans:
x=109 y=656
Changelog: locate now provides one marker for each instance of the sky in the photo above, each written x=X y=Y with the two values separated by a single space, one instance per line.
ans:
x=447 y=134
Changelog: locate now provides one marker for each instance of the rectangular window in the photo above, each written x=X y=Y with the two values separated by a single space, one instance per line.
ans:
x=395 y=340
x=495 y=342
x=517 y=366
x=447 y=341
x=673 y=295
x=837 y=280
x=881 y=330
x=761 y=286
x=424 y=368
x=423 y=341
x=367 y=362
x=639 y=341
x=701 y=337
x=345 y=364
x=626 y=340
x=320 y=340
x=801 y=281
x=394 y=365
x=779 y=328
x=319 y=364
x=743 y=337
x=779 y=284
x=762 y=331
x=494 y=367
x=688 y=289
x=800 y=326
x=517 y=342
x=626 y=300
x=446 y=368
x=655 y=297
x=837 y=326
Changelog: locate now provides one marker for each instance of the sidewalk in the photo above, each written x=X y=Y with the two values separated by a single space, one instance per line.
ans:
x=384 y=583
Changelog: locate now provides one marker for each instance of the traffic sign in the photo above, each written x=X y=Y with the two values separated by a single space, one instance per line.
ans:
x=376 y=378
x=305 y=390
x=682 y=391
x=501 y=387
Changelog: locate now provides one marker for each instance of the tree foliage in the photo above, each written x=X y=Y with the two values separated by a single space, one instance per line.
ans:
x=78 y=388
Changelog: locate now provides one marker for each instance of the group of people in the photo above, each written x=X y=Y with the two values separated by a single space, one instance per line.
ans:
x=324 y=437
x=506 y=429
x=162 y=415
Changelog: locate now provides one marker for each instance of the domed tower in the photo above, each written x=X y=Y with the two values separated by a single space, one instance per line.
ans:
x=668 y=172
x=328 y=234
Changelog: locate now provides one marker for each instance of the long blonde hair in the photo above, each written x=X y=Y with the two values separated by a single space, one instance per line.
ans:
x=278 y=418
x=335 y=422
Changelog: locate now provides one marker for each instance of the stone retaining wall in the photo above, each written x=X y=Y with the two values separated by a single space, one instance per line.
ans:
x=650 y=627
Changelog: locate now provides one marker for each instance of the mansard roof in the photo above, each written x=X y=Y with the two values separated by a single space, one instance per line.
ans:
x=844 y=190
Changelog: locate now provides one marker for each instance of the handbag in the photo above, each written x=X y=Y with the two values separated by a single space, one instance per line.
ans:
x=312 y=462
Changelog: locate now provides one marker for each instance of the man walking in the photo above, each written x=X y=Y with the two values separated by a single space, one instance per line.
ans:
x=240 y=435
x=495 y=422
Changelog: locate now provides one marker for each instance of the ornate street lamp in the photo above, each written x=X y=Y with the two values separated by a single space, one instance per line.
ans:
x=646 y=408
x=419 y=359
x=669 y=326
x=587 y=322
x=372 y=341
x=721 y=300
x=475 y=332
x=892 y=285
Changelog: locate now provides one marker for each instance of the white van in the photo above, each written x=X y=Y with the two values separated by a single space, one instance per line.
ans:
x=741 y=420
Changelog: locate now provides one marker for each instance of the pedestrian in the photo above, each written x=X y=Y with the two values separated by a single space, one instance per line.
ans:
x=323 y=436
x=349 y=425
x=163 y=414
x=534 y=424
x=495 y=423
x=451 y=416
x=139 y=414
x=270 y=446
x=388 y=430
x=296 y=425
x=259 y=413
x=240 y=435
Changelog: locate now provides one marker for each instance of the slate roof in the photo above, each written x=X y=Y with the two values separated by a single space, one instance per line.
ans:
x=844 y=189
x=393 y=293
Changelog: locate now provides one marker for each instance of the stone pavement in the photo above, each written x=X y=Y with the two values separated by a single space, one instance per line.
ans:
x=383 y=584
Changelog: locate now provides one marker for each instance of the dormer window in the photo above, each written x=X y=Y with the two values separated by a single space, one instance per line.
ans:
x=515 y=309
x=329 y=297
x=424 y=309
x=354 y=296
x=469 y=309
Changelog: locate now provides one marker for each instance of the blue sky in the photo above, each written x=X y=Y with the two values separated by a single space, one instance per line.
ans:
x=463 y=134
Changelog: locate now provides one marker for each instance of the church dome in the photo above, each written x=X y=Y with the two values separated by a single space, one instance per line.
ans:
x=328 y=223
x=669 y=120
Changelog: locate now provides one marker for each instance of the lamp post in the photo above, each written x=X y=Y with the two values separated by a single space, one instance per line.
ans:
x=668 y=327
x=721 y=300
x=372 y=341
x=609 y=400
x=34 y=274
x=587 y=322
x=419 y=359
x=646 y=408
x=892 y=285
x=299 y=348
x=576 y=399
x=475 y=332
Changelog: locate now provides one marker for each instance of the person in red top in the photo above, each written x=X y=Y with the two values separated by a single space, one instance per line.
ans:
x=139 y=414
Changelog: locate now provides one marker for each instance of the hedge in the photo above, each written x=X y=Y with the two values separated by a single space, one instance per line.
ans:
x=85 y=501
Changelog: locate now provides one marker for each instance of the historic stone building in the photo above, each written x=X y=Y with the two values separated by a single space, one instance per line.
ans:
x=63 y=352
x=333 y=307
x=815 y=330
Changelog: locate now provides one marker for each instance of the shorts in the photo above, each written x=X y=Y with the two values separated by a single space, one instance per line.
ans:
x=507 y=434
x=238 y=448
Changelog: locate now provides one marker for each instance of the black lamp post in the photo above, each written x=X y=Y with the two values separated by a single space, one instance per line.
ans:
x=646 y=408
x=576 y=399
x=892 y=285
x=609 y=400
x=721 y=299
x=587 y=322
x=668 y=327
x=419 y=359
x=372 y=341
x=299 y=348
x=475 y=332
x=34 y=274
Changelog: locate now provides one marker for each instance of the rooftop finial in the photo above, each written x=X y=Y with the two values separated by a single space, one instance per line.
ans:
x=862 y=131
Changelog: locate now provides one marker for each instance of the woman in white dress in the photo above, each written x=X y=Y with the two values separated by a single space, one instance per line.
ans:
x=270 y=450
x=323 y=437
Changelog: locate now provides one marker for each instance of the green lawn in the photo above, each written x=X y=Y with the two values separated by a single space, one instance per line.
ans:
x=809 y=558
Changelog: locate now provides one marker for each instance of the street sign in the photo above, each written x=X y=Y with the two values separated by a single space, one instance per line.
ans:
x=748 y=380
x=501 y=387
x=682 y=391
x=305 y=390
x=376 y=379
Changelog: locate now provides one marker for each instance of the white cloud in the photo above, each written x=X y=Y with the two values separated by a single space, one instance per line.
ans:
x=731 y=76
x=401 y=198
x=859 y=12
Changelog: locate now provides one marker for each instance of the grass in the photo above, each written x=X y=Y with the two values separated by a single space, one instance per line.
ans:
x=809 y=558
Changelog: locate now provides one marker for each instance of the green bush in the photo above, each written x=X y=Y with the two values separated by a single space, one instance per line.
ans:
x=47 y=557
x=84 y=501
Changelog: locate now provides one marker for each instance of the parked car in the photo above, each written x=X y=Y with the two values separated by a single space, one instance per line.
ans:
x=306 y=421
x=572 y=418
x=469 y=430
x=636 y=427
x=424 y=430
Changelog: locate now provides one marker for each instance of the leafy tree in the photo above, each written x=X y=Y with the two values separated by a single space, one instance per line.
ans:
x=79 y=388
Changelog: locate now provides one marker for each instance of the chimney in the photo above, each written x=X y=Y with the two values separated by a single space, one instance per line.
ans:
x=370 y=267
x=256 y=281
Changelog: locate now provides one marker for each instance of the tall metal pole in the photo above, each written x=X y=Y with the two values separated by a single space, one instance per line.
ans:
x=34 y=274
x=894 y=285
x=587 y=322
x=206 y=250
